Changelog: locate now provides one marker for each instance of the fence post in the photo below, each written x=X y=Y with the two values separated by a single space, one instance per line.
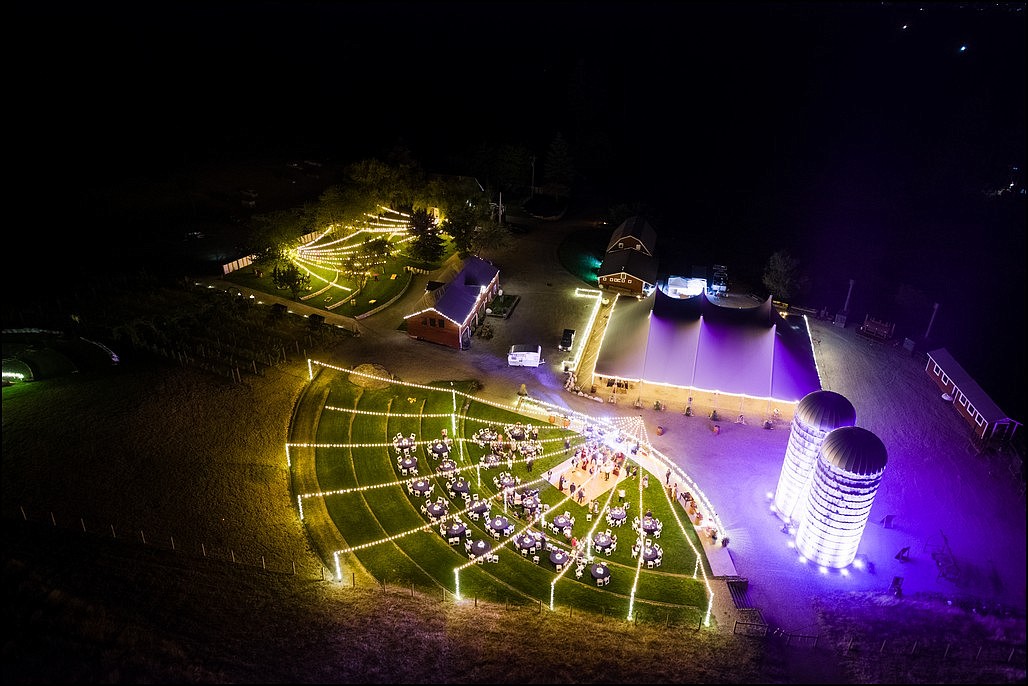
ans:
x=142 y=536
x=233 y=554
x=203 y=549
x=946 y=654
x=24 y=516
x=913 y=649
x=882 y=649
x=979 y=653
x=83 y=523
x=353 y=579
x=263 y=566
x=172 y=542
x=294 y=567
x=53 y=520
x=113 y=535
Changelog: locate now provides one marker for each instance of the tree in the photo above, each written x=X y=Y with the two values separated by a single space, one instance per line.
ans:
x=273 y=232
x=461 y=224
x=427 y=243
x=782 y=276
x=560 y=169
x=359 y=262
x=489 y=235
x=473 y=231
x=617 y=214
x=291 y=278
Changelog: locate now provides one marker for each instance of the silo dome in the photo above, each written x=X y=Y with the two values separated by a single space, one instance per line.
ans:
x=826 y=410
x=816 y=415
x=840 y=494
x=854 y=450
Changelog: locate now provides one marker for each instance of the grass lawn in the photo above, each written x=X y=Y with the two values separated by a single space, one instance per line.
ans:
x=382 y=523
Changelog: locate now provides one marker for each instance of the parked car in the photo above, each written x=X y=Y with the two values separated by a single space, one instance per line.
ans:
x=567 y=339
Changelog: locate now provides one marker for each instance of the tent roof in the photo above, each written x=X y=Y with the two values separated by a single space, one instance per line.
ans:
x=696 y=343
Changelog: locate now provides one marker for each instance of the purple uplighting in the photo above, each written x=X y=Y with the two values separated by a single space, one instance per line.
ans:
x=696 y=343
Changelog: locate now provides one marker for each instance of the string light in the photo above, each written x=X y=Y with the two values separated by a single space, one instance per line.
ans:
x=632 y=426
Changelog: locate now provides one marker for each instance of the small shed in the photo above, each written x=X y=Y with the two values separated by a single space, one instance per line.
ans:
x=986 y=419
x=450 y=312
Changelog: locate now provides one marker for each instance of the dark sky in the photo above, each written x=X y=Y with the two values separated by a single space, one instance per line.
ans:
x=828 y=129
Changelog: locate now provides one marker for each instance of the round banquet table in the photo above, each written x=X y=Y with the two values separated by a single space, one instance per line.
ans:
x=561 y=522
x=436 y=510
x=459 y=486
x=421 y=487
x=527 y=541
x=479 y=548
x=499 y=523
x=559 y=557
x=603 y=541
x=447 y=466
x=650 y=524
x=599 y=571
x=652 y=553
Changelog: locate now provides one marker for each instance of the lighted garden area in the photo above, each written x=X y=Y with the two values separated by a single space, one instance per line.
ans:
x=348 y=268
x=433 y=488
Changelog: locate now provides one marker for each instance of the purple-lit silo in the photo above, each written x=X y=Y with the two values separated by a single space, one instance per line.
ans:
x=838 y=502
x=816 y=415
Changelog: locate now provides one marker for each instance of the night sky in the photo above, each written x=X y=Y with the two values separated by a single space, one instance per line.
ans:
x=866 y=149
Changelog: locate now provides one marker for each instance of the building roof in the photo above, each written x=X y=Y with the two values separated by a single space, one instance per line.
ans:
x=631 y=262
x=696 y=343
x=457 y=298
x=635 y=227
x=968 y=386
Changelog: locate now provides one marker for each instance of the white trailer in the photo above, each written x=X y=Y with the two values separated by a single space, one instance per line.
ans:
x=524 y=355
